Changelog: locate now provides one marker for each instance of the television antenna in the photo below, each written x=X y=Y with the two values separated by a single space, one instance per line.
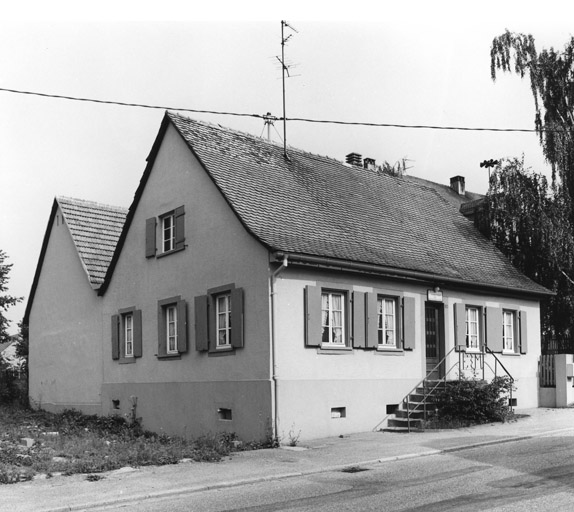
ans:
x=285 y=69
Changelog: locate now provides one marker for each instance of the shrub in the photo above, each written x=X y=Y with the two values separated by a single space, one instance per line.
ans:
x=469 y=402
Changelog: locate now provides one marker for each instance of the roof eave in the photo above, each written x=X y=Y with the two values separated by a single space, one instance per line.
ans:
x=405 y=274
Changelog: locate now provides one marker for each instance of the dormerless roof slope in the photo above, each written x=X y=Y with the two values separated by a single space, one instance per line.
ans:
x=318 y=207
x=95 y=230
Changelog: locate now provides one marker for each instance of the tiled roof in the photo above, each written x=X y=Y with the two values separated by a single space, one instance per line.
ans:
x=95 y=229
x=315 y=205
x=446 y=192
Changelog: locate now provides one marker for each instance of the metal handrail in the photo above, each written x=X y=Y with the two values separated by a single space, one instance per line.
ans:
x=424 y=380
x=413 y=389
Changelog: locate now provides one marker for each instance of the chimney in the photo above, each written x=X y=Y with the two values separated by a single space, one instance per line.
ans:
x=354 y=159
x=370 y=164
x=457 y=184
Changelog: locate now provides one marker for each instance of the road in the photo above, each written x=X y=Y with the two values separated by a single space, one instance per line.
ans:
x=529 y=475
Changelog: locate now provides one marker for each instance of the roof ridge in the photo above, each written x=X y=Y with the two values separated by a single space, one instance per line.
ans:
x=86 y=202
x=253 y=136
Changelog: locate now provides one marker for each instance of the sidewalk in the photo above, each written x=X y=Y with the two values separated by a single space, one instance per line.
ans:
x=122 y=486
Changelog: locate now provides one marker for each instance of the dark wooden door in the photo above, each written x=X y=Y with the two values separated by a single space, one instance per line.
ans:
x=434 y=339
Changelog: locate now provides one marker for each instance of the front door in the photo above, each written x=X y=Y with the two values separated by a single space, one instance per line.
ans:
x=434 y=339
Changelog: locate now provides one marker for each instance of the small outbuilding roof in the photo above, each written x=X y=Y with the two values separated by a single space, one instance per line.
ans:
x=95 y=230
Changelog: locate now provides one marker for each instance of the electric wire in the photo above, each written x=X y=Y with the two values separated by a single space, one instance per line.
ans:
x=266 y=116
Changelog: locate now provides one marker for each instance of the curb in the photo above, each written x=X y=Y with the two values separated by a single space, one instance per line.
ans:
x=295 y=474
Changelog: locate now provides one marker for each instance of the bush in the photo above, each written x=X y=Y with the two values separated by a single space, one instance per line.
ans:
x=469 y=402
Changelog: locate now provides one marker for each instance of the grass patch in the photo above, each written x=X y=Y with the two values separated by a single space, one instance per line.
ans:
x=71 y=442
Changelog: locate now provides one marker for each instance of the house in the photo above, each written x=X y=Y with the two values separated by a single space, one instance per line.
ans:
x=252 y=292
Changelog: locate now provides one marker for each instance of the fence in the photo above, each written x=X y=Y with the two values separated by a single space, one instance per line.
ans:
x=553 y=345
x=547 y=371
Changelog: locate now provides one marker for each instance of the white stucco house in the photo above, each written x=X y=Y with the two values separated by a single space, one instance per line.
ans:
x=244 y=290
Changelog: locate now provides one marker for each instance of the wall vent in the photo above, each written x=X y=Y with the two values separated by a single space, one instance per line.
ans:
x=224 y=414
x=338 y=412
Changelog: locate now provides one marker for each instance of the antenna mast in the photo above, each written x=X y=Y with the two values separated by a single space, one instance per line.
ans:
x=285 y=70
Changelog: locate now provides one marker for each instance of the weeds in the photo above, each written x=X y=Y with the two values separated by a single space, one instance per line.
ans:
x=71 y=442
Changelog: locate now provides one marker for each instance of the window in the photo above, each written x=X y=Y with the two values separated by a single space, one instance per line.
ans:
x=168 y=233
x=127 y=335
x=223 y=320
x=219 y=320
x=172 y=233
x=172 y=327
x=472 y=328
x=386 y=322
x=508 y=331
x=333 y=319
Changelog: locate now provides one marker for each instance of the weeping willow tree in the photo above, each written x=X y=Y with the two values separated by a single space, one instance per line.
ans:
x=529 y=219
x=528 y=222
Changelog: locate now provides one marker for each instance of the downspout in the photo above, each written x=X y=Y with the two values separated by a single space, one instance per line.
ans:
x=273 y=361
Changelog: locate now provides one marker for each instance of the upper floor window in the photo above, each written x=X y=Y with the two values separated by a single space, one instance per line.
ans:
x=168 y=233
x=172 y=233
x=333 y=318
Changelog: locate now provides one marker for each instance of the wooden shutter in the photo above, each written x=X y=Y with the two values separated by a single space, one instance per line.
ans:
x=181 y=326
x=494 y=329
x=372 y=319
x=201 y=323
x=460 y=326
x=523 y=332
x=179 y=220
x=115 y=336
x=408 y=323
x=359 y=320
x=137 y=333
x=150 y=246
x=161 y=334
x=237 y=326
x=312 y=316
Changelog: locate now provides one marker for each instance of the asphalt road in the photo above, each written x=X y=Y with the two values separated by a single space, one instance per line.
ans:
x=530 y=475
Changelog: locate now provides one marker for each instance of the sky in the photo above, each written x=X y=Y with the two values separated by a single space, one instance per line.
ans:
x=426 y=63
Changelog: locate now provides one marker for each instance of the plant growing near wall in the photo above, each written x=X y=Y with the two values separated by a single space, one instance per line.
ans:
x=470 y=402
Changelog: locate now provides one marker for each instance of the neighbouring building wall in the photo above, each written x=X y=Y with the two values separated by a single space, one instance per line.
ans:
x=65 y=330
x=197 y=391
x=323 y=393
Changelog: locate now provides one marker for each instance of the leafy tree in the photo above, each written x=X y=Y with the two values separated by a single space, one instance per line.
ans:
x=551 y=75
x=531 y=220
x=527 y=221
x=6 y=301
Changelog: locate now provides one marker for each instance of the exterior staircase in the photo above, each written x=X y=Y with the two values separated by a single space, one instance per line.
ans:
x=415 y=409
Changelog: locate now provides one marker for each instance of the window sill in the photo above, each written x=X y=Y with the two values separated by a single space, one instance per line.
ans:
x=167 y=357
x=511 y=354
x=167 y=253
x=335 y=350
x=383 y=351
x=221 y=352
x=127 y=360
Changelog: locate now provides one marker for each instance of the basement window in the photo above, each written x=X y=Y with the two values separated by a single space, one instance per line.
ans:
x=224 y=414
x=338 y=412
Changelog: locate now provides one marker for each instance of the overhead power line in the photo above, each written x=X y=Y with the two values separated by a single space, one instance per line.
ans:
x=263 y=116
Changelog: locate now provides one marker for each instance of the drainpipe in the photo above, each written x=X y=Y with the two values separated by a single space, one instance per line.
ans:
x=273 y=362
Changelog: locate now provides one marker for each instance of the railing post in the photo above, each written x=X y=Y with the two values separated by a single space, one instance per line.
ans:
x=408 y=415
